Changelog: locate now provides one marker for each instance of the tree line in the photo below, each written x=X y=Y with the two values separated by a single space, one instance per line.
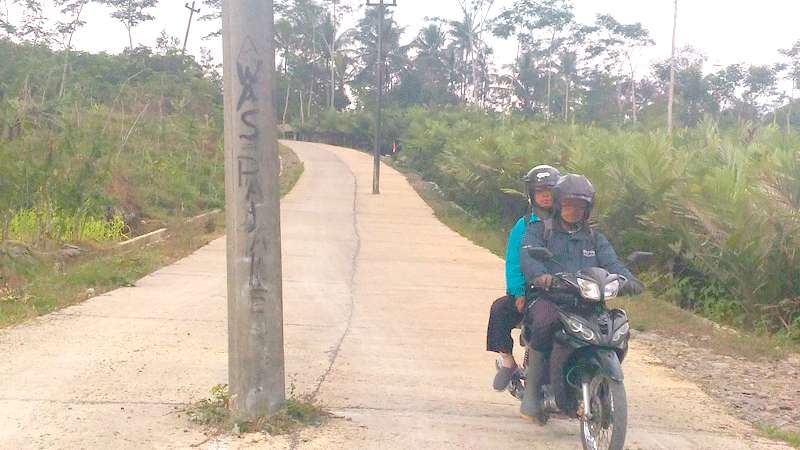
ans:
x=564 y=70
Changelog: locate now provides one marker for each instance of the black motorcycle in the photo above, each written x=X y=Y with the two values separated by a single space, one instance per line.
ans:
x=585 y=365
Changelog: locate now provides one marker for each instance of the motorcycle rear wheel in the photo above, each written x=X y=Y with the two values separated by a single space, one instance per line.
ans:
x=608 y=425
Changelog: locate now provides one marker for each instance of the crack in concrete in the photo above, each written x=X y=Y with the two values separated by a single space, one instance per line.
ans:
x=89 y=402
x=165 y=319
x=413 y=411
x=334 y=353
x=170 y=319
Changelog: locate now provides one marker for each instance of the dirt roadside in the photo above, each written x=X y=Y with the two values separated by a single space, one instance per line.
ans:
x=761 y=391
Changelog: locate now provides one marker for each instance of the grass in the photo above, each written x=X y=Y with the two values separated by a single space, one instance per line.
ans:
x=35 y=224
x=33 y=283
x=292 y=169
x=790 y=437
x=295 y=414
x=652 y=314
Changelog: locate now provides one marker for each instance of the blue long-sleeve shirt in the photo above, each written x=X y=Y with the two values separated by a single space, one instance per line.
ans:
x=515 y=279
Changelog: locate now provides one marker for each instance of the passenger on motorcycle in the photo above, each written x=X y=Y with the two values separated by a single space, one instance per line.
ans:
x=506 y=312
x=575 y=245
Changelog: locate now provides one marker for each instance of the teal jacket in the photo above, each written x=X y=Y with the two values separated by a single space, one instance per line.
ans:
x=515 y=279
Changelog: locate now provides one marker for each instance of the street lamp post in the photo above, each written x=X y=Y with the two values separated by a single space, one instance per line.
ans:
x=376 y=151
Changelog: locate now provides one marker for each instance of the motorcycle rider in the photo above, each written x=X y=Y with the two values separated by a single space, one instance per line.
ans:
x=575 y=245
x=506 y=312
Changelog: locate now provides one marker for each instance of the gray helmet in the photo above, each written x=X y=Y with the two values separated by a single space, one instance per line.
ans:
x=540 y=177
x=574 y=186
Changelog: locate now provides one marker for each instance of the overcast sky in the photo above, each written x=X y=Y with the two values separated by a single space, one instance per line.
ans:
x=727 y=31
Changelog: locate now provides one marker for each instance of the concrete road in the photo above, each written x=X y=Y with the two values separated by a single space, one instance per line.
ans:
x=385 y=320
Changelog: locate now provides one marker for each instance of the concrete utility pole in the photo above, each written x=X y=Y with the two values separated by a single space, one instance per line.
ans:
x=252 y=211
x=192 y=11
x=332 y=48
x=671 y=98
x=376 y=152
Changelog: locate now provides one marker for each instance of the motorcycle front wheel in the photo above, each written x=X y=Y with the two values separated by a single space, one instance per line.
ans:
x=606 y=429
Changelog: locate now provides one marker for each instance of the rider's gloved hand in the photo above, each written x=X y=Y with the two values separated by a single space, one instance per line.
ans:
x=543 y=281
x=633 y=287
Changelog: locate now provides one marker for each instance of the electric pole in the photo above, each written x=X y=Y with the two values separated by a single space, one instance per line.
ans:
x=376 y=152
x=332 y=48
x=671 y=98
x=252 y=211
x=192 y=11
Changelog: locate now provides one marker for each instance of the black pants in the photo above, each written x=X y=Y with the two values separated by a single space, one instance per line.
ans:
x=503 y=317
x=544 y=323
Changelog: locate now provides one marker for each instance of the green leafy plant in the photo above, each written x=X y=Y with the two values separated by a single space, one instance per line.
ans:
x=296 y=413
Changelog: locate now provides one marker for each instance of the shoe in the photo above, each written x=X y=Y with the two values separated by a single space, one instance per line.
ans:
x=532 y=407
x=503 y=378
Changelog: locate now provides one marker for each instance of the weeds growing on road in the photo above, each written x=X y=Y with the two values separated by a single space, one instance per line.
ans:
x=296 y=413
x=212 y=411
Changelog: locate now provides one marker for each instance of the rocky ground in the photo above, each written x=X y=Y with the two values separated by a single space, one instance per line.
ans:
x=763 y=391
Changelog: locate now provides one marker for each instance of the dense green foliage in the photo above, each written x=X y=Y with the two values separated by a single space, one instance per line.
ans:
x=94 y=136
x=720 y=208
x=566 y=70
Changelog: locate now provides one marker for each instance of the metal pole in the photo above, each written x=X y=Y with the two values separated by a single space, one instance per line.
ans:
x=376 y=150
x=671 y=94
x=376 y=153
x=192 y=10
x=252 y=211
x=332 y=47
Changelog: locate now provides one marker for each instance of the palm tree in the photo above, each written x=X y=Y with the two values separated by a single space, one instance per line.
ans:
x=395 y=55
x=568 y=65
x=467 y=41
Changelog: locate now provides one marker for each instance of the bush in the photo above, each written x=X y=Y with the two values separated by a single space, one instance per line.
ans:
x=721 y=208
x=137 y=134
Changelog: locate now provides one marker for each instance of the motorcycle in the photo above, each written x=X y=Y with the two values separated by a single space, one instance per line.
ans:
x=585 y=365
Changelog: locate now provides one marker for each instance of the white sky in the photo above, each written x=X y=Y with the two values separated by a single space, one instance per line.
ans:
x=727 y=31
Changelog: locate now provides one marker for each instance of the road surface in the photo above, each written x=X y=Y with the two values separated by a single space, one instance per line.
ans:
x=385 y=321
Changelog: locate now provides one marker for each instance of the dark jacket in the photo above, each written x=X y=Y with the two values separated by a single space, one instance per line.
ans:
x=574 y=251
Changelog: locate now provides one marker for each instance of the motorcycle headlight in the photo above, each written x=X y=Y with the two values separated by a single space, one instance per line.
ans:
x=621 y=332
x=611 y=289
x=589 y=289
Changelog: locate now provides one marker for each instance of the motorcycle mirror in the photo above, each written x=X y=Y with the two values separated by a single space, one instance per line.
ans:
x=636 y=258
x=540 y=253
